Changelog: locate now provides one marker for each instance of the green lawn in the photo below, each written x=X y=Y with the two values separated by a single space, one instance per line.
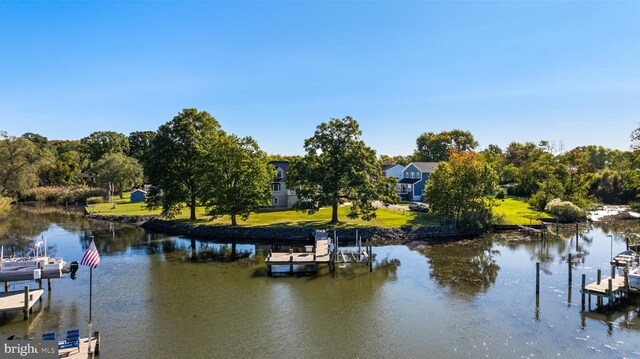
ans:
x=517 y=211
x=385 y=217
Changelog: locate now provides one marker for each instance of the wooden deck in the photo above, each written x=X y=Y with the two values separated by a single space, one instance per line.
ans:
x=14 y=300
x=602 y=289
x=321 y=256
x=82 y=353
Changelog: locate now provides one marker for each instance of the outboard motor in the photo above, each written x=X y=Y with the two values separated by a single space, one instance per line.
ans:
x=74 y=269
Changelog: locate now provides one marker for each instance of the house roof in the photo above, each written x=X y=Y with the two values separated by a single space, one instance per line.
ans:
x=409 y=180
x=282 y=164
x=425 y=166
x=386 y=166
x=139 y=190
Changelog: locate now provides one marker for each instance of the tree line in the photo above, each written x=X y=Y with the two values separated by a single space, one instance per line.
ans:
x=191 y=161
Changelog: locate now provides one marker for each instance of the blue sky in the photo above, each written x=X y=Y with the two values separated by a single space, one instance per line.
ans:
x=563 y=71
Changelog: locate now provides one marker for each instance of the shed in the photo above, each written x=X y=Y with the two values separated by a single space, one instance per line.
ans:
x=138 y=195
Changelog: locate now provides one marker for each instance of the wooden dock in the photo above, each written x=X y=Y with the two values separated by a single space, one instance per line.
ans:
x=87 y=350
x=613 y=288
x=289 y=263
x=23 y=300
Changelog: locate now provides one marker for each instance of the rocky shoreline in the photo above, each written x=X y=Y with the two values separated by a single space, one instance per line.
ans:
x=378 y=236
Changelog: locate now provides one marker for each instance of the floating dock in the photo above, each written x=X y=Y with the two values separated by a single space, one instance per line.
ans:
x=23 y=300
x=325 y=250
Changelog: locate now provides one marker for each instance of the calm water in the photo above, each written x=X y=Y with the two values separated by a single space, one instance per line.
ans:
x=156 y=296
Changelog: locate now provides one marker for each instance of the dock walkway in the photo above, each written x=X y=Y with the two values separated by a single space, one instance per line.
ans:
x=15 y=300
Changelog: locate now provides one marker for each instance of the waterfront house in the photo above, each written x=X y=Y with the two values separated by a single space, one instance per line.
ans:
x=414 y=178
x=281 y=196
x=138 y=195
x=392 y=170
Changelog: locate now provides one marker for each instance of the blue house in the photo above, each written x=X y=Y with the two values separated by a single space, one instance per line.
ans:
x=414 y=178
x=138 y=195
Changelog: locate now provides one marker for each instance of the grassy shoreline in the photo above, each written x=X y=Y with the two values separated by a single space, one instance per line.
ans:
x=513 y=210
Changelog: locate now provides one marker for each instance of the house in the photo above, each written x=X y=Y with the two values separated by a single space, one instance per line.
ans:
x=281 y=196
x=414 y=178
x=392 y=170
x=138 y=195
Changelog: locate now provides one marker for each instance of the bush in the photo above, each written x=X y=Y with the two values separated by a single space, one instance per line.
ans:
x=565 y=210
x=635 y=205
x=538 y=201
x=95 y=200
x=502 y=193
x=5 y=204
x=62 y=194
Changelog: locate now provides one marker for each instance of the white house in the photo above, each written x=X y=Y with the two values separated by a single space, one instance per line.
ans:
x=392 y=170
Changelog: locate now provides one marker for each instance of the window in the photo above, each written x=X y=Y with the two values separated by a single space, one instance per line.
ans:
x=274 y=201
x=279 y=173
x=413 y=175
x=275 y=187
x=406 y=175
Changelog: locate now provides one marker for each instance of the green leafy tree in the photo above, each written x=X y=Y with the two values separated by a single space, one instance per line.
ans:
x=339 y=167
x=436 y=147
x=175 y=163
x=20 y=161
x=122 y=171
x=139 y=144
x=462 y=188
x=238 y=176
x=101 y=143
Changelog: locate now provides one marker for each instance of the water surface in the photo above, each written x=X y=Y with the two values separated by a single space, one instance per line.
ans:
x=158 y=296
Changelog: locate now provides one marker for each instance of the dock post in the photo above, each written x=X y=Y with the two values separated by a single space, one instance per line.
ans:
x=290 y=265
x=599 y=276
x=49 y=283
x=39 y=283
x=613 y=271
x=6 y=286
x=576 y=231
x=26 y=302
x=569 y=264
x=610 y=292
x=584 y=281
x=96 y=350
x=626 y=239
x=537 y=278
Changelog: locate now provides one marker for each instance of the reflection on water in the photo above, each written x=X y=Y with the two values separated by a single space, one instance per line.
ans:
x=465 y=268
x=159 y=296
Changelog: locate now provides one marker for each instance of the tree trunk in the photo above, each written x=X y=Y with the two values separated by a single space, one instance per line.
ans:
x=121 y=195
x=192 y=205
x=334 y=213
x=233 y=220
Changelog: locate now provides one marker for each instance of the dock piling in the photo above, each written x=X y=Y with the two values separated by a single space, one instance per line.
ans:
x=96 y=350
x=599 y=276
x=49 y=283
x=537 y=278
x=26 y=302
x=610 y=291
x=569 y=265
x=584 y=283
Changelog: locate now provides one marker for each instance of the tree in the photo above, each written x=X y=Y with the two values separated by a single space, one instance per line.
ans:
x=20 y=159
x=116 y=168
x=174 y=163
x=436 y=147
x=238 y=176
x=338 y=167
x=462 y=188
x=139 y=144
x=101 y=143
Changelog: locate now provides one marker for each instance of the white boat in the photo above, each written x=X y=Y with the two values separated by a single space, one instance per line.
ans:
x=36 y=265
x=623 y=258
x=634 y=277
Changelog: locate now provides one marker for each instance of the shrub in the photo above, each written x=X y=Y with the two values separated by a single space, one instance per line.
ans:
x=5 y=204
x=62 y=194
x=538 y=201
x=565 y=210
x=95 y=200
x=502 y=193
x=635 y=205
